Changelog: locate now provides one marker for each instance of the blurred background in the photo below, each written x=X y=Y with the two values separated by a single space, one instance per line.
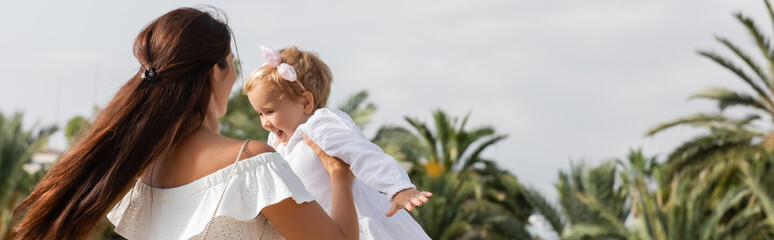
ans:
x=528 y=119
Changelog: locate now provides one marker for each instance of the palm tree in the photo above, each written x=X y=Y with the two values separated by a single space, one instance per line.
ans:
x=473 y=197
x=595 y=206
x=728 y=136
x=713 y=186
x=708 y=208
x=17 y=145
x=357 y=109
x=461 y=209
x=503 y=210
x=450 y=148
x=444 y=217
x=594 y=203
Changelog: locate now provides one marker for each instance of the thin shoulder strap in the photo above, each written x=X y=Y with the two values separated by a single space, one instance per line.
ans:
x=233 y=169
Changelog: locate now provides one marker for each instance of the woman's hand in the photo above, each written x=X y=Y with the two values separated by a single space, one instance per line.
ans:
x=331 y=164
x=408 y=199
x=309 y=220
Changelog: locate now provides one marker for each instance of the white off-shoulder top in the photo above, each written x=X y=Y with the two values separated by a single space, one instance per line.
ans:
x=183 y=212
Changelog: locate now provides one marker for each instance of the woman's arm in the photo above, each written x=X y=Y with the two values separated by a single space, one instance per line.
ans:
x=309 y=220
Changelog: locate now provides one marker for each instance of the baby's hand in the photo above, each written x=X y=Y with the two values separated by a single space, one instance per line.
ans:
x=408 y=199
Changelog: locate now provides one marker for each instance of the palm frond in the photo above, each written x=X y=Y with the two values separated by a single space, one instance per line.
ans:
x=551 y=213
x=591 y=196
x=464 y=121
x=771 y=11
x=475 y=156
x=727 y=98
x=444 y=129
x=353 y=102
x=760 y=40
x=590 y=231
x=426 y=134
x=357 y=109
x=729 y=65
x=763 y=198
x=730 y=200
x=466 y=138
x=696 y=119
x=746 y=58
x=400 y=143
x=699 y=152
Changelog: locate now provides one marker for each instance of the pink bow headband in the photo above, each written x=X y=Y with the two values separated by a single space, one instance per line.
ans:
x=272 y=58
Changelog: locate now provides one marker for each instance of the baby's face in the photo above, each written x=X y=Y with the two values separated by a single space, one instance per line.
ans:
x=280 y=116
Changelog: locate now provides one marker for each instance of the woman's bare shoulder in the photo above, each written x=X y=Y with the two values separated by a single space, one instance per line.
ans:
x=254 y=148
x=229 y=146
x=200 y=155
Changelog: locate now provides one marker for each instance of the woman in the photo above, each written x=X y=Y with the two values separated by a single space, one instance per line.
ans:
x=157 y=142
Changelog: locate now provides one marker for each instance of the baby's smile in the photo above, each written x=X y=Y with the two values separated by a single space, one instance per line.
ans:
x=280 y=134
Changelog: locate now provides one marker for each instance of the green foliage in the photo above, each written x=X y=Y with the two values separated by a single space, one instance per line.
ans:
x=552 y=214
x=728 y=139
x=713 y=186
x=75 y=128
x=592 y=198
x=704 y=208
x=241 y=121
x=357 y=109
x=473 y=198
x=17 y=145
x=450 y=145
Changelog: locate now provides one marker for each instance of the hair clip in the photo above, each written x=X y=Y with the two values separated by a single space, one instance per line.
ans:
x=273 y=59
x=149 y=74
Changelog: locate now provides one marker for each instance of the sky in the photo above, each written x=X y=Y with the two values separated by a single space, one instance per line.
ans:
x=567 y=81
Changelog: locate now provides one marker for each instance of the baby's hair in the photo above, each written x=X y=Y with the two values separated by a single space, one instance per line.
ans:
x=312 y=73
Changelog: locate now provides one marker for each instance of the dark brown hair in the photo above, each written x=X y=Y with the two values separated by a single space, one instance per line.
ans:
x=139 y=124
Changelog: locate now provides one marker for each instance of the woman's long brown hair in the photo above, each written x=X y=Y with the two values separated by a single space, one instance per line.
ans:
x=140 y=123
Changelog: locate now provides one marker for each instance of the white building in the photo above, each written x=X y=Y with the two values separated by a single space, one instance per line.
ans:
x=41 y=159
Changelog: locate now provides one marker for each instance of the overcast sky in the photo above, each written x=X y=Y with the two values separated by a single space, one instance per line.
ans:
x=566 y=80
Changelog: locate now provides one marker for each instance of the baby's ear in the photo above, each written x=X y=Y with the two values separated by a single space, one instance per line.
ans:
x=308 y=99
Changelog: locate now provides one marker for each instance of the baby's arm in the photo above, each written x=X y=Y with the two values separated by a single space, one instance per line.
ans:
x=379 y=170
x=339 y=137
x=368 y=161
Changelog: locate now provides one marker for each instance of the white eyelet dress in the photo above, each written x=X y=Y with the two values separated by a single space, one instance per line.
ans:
x=183 y=212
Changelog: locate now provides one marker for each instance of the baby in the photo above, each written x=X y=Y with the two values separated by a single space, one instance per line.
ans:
x=289 y=93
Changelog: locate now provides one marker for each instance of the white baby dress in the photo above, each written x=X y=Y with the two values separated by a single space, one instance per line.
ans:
x=378 y=176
